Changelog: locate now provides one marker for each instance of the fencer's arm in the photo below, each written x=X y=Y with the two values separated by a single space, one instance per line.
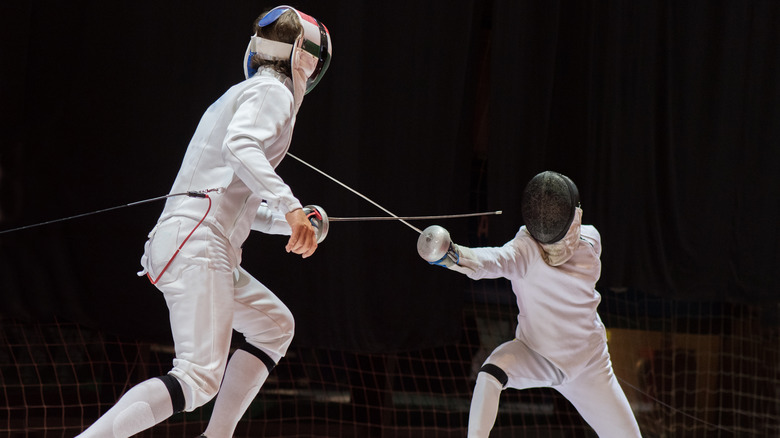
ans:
x=488 y=262
x=270 y=221
x=435 y=247
x=252 y=136
x=509 y=261
x=467 y=262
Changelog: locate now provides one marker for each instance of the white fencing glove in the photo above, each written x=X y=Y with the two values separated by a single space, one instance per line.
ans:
x=435 y=247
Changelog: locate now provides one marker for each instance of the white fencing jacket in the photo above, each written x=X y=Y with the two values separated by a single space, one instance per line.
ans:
x=237 y=145
x=557 y=304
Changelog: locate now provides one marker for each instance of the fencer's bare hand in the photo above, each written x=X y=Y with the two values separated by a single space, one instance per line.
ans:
x=303 y=239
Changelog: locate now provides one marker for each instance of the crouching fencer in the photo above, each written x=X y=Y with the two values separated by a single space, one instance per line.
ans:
x=193 y=254
x=553 y=264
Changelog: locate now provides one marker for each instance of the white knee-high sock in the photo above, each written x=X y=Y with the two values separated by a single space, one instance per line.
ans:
x=484 y=405
x=143 y=406
x=244 y=376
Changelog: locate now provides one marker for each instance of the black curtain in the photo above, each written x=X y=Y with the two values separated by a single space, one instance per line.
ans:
x=104 y=96
x=663 y=113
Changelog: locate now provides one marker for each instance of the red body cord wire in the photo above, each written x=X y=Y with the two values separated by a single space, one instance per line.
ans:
x=154 y=281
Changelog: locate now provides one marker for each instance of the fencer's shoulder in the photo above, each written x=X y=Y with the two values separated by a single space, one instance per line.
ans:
x=523 y=239
x=523 y=235
x=261 y=93
x=591 y=232
x=266 y=85
x=591 y=235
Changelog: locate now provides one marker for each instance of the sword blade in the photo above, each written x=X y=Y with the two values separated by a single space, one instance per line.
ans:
x=411 y=218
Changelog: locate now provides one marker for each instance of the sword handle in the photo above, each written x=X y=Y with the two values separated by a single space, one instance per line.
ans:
x=319 y=220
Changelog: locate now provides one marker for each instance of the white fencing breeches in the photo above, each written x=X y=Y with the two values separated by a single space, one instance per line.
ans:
x=595 y=392
x=208 y=295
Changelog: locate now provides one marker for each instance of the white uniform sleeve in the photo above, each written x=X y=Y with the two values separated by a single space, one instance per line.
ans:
x=253 y=136
x=508 y=261
x=269 y=221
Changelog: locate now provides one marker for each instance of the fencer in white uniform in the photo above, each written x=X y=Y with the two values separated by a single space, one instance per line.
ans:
x=193 y=254
x=553 y=264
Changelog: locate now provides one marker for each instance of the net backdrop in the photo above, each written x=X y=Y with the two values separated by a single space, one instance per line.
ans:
x=689 y=369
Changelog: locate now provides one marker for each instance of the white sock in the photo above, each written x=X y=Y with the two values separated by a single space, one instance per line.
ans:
x=484 y=405
x=244 y=376
x=143 y=406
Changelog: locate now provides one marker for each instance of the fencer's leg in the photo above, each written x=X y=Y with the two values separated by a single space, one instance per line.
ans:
x=198 y=289
x=511 y=365
x=246 y=372
x=598 y=397
x=484 y=403
x=263 y=319
x=268 y=326
x=143 y=406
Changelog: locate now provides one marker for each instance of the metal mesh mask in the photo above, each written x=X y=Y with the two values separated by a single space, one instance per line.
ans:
x=548 y=206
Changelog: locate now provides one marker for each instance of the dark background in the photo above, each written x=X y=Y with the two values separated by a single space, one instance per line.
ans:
x=665 y=114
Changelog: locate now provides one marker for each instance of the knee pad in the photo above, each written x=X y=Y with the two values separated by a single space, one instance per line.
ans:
x=260 y=354
x=496 y=372
x=199 y=385
x=176 y=392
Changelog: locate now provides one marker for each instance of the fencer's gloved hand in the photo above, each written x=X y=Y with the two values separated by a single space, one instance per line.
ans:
x=433 y=244
x=435 y=247
x=450 y=258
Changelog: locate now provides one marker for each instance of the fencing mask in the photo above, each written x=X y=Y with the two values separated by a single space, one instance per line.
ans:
x=549 y=206
x=309 y=55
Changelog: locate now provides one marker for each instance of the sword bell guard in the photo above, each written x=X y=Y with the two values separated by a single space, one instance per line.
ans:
x=319 y=220
x=433 y=243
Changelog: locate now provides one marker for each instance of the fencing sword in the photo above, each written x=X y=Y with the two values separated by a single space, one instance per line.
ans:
x=432 y=244
x=413 y=218
x=393 y=216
